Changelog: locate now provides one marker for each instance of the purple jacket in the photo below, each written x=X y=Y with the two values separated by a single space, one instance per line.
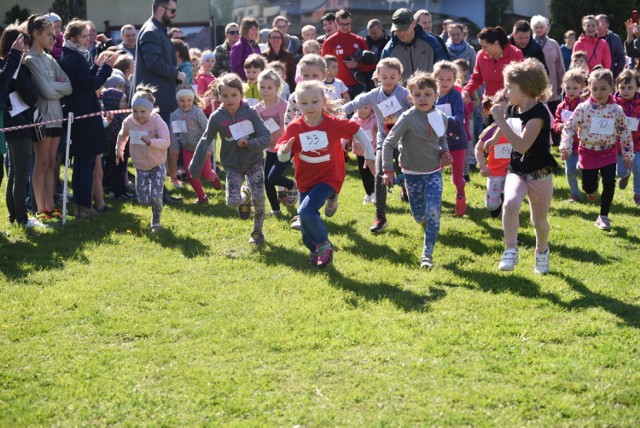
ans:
x=239 y=52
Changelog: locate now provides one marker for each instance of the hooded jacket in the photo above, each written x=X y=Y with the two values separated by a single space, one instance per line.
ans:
x=597 y=50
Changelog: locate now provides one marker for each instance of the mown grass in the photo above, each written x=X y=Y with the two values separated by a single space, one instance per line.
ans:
x=104 y=323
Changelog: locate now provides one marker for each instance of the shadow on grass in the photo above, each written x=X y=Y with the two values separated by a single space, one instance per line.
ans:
x=522 y=286
x=375 y=292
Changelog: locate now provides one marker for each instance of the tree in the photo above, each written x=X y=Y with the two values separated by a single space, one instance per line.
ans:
x=69 y=9
x=567 y=15
x=494 y=9
x=16 y=13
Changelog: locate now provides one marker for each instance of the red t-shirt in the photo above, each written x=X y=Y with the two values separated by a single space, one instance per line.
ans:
x=344 y=46
x=317 y=151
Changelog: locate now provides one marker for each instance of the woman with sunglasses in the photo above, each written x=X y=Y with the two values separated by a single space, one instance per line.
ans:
x=223 y=52
x=247 y=45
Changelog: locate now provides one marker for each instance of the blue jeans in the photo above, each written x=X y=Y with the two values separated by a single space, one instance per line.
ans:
x=82 y=180
x=314 y=231
x=425 y=199
x=571 y=172
x=274 y=176
x=622 y=171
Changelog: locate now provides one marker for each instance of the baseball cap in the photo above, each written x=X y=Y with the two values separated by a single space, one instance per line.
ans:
x=401 y=19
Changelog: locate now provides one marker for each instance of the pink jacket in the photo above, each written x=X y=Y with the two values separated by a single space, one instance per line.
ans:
x=489 y=71
x=146 y=158
x=597 y=50
x=631 y=108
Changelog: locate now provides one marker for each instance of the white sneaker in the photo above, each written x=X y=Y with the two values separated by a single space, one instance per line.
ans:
x=509 y=259
x=331 y=206
x=366 y=200
x=295 y=223
x=542 y=263
x=33 y=223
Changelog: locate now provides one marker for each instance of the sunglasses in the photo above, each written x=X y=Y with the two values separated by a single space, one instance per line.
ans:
x=233 y=33
x=173 y=11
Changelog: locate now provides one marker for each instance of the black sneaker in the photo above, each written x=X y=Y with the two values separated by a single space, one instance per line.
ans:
x=379 y=225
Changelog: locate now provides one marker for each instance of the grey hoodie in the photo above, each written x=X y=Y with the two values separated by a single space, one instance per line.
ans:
x=232 y=156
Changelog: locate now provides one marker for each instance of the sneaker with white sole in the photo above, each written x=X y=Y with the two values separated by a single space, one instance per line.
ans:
x=426 y=261
x=366 y=200
x=509 y=259
x=292 y=196
x=295 y=223
x=379 y=224
x=603 y=222
x=542 y=263
x=244 y=209
x=33 y=223
x=331 y=206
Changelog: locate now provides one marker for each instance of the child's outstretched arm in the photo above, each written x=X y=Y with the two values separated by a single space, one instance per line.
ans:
x=479 y=155
x=521 y=143
x=292 y=110
x=199 y=156
x=362 y=138
x=390 y=143
x=626 y=140
x=123 y=137
x=358 y=102
x=568 y=132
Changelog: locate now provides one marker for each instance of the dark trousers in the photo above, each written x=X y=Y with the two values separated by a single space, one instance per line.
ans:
x=20 y=152
x=368 y=180
x=274 y=176
x=590 y=180
x=553 y=105
x=83 y=180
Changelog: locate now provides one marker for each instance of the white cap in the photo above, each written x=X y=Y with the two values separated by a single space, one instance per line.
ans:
x=53 y=17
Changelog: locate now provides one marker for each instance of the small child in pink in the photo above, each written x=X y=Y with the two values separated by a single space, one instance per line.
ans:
x=367 y=120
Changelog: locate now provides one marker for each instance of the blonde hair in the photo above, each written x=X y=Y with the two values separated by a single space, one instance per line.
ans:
x=531 y=76
x=576 y=74
x=392 y=63
x=446 y=65
x=313 y=60
x=270 y=74
x=331 y=107
x=422 y=80
x=311 y=44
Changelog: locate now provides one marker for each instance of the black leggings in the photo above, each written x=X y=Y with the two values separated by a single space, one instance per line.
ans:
x=590 y=185
x=368 y=180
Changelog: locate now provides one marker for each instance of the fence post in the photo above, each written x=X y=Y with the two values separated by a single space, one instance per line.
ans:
x=65 y=192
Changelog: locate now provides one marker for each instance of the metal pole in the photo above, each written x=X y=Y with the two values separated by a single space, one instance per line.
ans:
x=66 y=170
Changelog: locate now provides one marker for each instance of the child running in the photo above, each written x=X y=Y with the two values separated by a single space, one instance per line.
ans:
x=271 y=110
x=314 y=142
x=573 y=84
x=422 y=155
x=628 y=98
x=189 y=123
x=243 y=138
x=149 y=139
x=389 y=101
x=531 y=166
x=450 y=103
x=599 y=123
x=365 y=118
x=499 y=149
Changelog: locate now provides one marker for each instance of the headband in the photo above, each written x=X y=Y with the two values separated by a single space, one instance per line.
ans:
x=208 y=55
x=185 y=93
x=142 y=101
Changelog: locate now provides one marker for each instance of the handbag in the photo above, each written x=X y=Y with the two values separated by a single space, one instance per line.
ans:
x=38 y=132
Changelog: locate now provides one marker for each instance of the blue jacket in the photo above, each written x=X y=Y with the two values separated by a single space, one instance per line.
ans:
x=156 y=64
x=456 y=134
x=413 y=57
x=87 y=135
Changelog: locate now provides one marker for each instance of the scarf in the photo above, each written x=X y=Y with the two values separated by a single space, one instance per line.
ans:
x=76 y=47
x=541 y=40
x=457 y=49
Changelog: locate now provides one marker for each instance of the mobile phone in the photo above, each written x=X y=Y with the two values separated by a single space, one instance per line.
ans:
x=634 y=16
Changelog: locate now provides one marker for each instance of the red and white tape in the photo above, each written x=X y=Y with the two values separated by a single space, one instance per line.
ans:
x=84 y=116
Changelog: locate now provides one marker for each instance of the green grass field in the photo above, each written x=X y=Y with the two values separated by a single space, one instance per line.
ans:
x=104 y=323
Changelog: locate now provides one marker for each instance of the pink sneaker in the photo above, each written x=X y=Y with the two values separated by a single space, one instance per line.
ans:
x=592 y=196
x=325 y=254
x=461 y=206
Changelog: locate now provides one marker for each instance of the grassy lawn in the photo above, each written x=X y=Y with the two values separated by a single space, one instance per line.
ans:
x=104 y=323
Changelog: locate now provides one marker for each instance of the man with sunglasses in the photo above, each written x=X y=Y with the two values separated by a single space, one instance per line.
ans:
x=156 y=65
x=223 y=52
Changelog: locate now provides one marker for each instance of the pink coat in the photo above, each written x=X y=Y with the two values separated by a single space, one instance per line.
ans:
x=597 y=50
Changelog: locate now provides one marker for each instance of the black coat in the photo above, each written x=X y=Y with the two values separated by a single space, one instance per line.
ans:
x=88 y=136
x=156 y=64
x=27 y=91
x=532 y=50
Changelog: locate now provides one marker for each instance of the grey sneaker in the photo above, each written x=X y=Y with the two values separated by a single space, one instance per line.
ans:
x=292 y=196
x=603 y=222
x=509 y=259
x=426 y=262
x=542 y=263
x=331 y=206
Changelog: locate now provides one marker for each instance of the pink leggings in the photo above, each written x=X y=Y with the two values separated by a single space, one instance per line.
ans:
x=540 y=192
x=207 y=173
x=457 y=170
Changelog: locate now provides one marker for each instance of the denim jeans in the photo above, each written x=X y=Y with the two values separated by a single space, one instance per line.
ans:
x=274 y=176
x=83 y=180
x=425 y=199
x=571 y=172
x=314 y=231
x=20 y=152
x=622 y=171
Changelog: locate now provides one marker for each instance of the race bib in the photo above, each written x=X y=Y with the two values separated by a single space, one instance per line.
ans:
x=437 y=122
x=632 y=124
x=602 y=126
x=445 y=108
x=134 y=137
x=502 y=151
x=389 y=106
x=515 y=124
x=271 y=125
x=314 y=140
x=179 y=126
x=565 y=115
x=253 y=101
x=241 y=129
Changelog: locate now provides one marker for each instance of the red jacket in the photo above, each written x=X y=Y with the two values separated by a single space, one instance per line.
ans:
x=631 y=108
x=570 y=105
x=597 y=50
x=489 y=71
x=344 y=46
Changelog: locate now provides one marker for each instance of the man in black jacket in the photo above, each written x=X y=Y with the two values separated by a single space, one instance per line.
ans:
x=523 y=40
